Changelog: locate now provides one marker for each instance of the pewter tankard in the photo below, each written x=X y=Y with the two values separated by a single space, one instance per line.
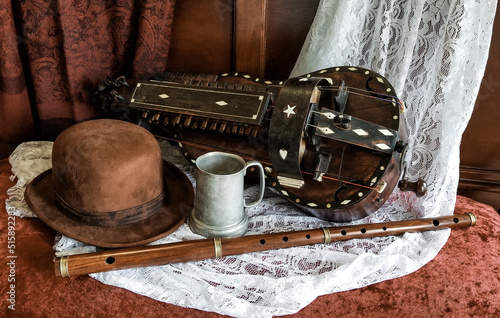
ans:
x=219 y=209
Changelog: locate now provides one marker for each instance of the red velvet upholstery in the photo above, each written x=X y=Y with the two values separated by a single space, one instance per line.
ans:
x=462 y=281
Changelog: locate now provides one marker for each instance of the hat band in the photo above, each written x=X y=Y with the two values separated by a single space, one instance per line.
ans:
x=112 y=218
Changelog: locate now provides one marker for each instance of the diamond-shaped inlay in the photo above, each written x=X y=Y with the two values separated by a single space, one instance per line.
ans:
x=328 y=115
x=221 y=103
x=385 y=132
x=326 y=130
x=164 y=96
x=360 y=132
x=383 y=146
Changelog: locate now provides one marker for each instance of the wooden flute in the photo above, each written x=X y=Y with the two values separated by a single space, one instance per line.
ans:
x=196 y=250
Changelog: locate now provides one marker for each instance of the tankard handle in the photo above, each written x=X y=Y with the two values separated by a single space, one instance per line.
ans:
x=262 y=183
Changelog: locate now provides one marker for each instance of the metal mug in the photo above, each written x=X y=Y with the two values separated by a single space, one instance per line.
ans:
x=219 y=209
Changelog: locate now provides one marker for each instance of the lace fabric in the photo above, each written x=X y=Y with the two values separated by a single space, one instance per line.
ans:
x=434 y=53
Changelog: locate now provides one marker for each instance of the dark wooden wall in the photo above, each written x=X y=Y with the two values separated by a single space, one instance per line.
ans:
x=480 y=148
x=259 y=37
x=201 y=36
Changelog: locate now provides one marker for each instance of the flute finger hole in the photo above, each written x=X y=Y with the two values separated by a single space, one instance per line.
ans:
x=455 y=220
x=110 y=260
x=285 y=238
x=343 y=232
x=435 y=222
x=262 y=242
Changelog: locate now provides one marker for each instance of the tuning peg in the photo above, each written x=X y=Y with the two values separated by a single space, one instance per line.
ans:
x=121 y=81
x=419 y=187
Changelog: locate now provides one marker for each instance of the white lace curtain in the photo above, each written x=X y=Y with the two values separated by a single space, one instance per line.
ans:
x=434 y=53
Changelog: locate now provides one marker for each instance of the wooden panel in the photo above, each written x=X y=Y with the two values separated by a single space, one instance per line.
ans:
x=201 y=36
x=259 y=37
x=480 y=148
x=269 y=35
x=480 y=180
x=250 y=35
x=288 y=22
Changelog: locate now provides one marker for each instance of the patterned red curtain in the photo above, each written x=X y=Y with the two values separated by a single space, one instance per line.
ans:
x=53 y=53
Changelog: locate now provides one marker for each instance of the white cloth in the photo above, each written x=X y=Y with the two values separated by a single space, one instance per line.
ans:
x=434 y=53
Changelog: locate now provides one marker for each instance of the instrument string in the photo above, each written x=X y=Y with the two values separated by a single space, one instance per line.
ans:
x=366 y=93
x=341 y=162
x=352 y=88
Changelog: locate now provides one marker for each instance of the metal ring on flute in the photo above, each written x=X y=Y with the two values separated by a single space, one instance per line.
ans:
x=473 y=218
x=63 y=265
x=328 y=236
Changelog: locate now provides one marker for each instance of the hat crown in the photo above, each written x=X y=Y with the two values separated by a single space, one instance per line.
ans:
x=103 y=166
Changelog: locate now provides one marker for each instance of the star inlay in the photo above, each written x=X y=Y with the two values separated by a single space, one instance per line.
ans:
x=289 y=111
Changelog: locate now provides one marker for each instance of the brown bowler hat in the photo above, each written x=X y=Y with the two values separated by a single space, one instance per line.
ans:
x=110 y=187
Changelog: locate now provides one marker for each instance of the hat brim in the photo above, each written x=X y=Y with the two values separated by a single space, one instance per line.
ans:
x=178 y=203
